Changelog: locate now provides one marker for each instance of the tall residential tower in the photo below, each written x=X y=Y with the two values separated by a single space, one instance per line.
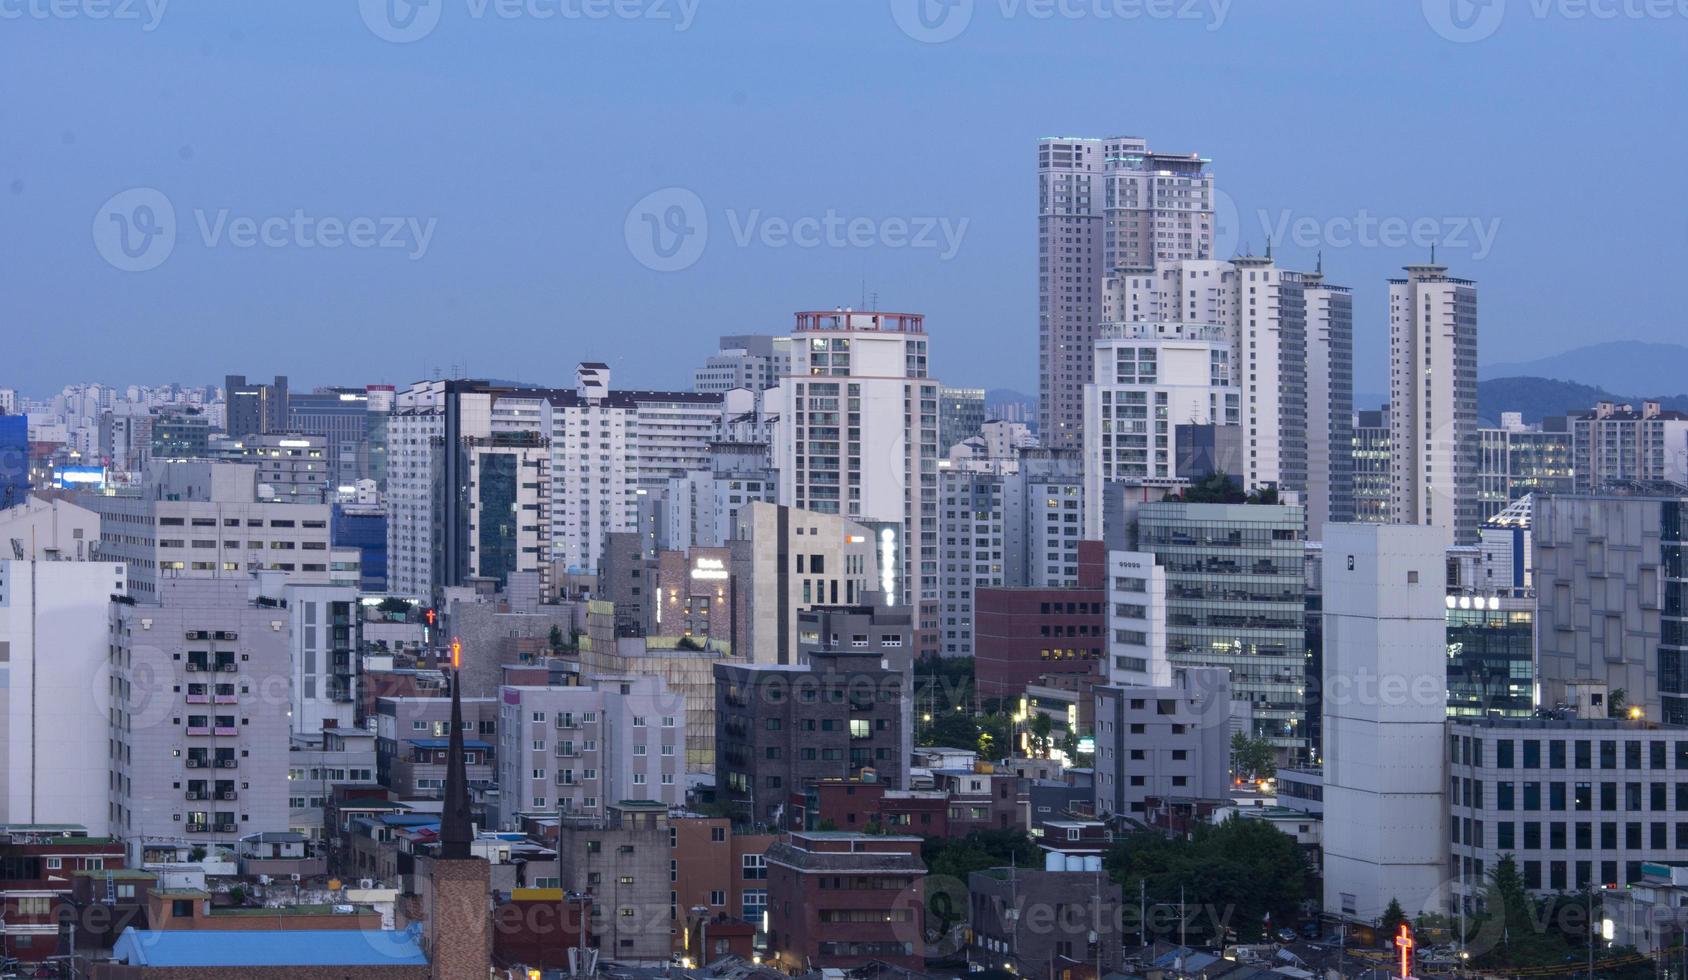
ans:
x=1103 y=205
x=1433 y=401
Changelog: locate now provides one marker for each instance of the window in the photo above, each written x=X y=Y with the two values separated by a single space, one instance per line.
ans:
x=755 y=868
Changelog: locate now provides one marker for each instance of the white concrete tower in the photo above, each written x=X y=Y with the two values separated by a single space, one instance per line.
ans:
x=1433 y=401
x=1385 y=702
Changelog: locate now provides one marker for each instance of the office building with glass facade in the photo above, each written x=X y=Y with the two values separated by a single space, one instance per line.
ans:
x=1236 y=598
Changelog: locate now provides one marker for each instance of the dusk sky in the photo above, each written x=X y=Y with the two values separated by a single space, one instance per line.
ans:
x=468 y=191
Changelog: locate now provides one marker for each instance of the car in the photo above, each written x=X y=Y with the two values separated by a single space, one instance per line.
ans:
x=1287 y=936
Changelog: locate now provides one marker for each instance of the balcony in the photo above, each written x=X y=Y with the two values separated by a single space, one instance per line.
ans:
x=199 y=730
x=226 y=730
x=227 y=698
x=199 y=699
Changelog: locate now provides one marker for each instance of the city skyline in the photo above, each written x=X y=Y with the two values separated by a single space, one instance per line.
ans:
x=538 y=250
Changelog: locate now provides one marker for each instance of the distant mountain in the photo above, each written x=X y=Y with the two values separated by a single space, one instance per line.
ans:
x=1537 y=398
x=1007 y=396
x=1623 y=365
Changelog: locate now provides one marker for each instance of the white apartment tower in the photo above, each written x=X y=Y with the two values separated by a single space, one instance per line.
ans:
x=1290 y=365
x=54 y=687
x=1433 y=401
x=1385 y=703
x=1103 y=205
x=1151 y=377
x=858 y=437
x=1330 y=403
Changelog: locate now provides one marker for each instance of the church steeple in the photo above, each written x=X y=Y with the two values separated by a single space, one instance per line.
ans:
x=456 y=830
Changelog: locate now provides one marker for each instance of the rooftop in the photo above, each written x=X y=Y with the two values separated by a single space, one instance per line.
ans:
x=244 y=948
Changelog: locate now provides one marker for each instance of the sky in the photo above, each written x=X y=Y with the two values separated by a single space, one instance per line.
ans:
x=373 y=191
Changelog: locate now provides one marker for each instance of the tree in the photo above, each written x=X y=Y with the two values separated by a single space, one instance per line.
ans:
x=950 y=729
x=1617 y=703
x=1253 y=758
x=995 y=736
x=393 y=604
x=1042 y=726
x=555 y=640
x=1217 y=488
x=1238 y=871
x=1393 y=917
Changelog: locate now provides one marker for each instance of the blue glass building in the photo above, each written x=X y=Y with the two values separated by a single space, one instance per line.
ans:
x=14 y=459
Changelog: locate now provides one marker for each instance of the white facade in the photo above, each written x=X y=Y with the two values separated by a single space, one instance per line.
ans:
x=202 y=520
x=322 y=637
x=1103 y=205
x=53 y=528
x=1136 y=621
x=200 y=710
x=1280 y=326
x=1151 y=377
x=1018 y=529
x=580 y=748
x=1329 y=493
x=754 y=361
x=1433 y=402
x=858 y=433
x=1385 y=702
x=55 y=690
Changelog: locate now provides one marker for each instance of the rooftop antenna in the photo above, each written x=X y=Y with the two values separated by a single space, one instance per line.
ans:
x=1268 y=246
x=1320 y=268
x=1432 y=253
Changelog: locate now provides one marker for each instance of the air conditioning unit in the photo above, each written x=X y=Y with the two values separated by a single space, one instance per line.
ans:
x=191 y=667
x=229 y=763
x=193 y=763
x=228 y=794
x=366 y=883
x=191 y=794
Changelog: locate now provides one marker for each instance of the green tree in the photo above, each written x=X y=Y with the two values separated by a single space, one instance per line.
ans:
x=1217 y=488
x=1234 y=873
x=1252 y=758
x=1042 y=725
x=995 y=736
x=950 y=729
x=1617 y=703
x=1390 y=924
x=555 y=640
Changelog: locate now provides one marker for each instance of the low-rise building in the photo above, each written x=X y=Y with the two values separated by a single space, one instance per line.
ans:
x=1062 y=917
x=1577 y=802
x=579 y=749
x=838 y=900
x=1172 y=741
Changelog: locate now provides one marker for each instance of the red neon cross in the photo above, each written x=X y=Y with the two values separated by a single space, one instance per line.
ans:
x=1404 y=942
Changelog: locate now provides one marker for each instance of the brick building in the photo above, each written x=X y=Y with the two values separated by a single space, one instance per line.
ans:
x=1022 y=634
x=720 y=871
x=782 y=727
x=838 y=900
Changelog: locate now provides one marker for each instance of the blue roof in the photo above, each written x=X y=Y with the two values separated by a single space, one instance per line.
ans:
x=320 y=947
x=442 y=743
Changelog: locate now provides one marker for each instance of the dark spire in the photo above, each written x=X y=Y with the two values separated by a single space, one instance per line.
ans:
x=455 y=825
